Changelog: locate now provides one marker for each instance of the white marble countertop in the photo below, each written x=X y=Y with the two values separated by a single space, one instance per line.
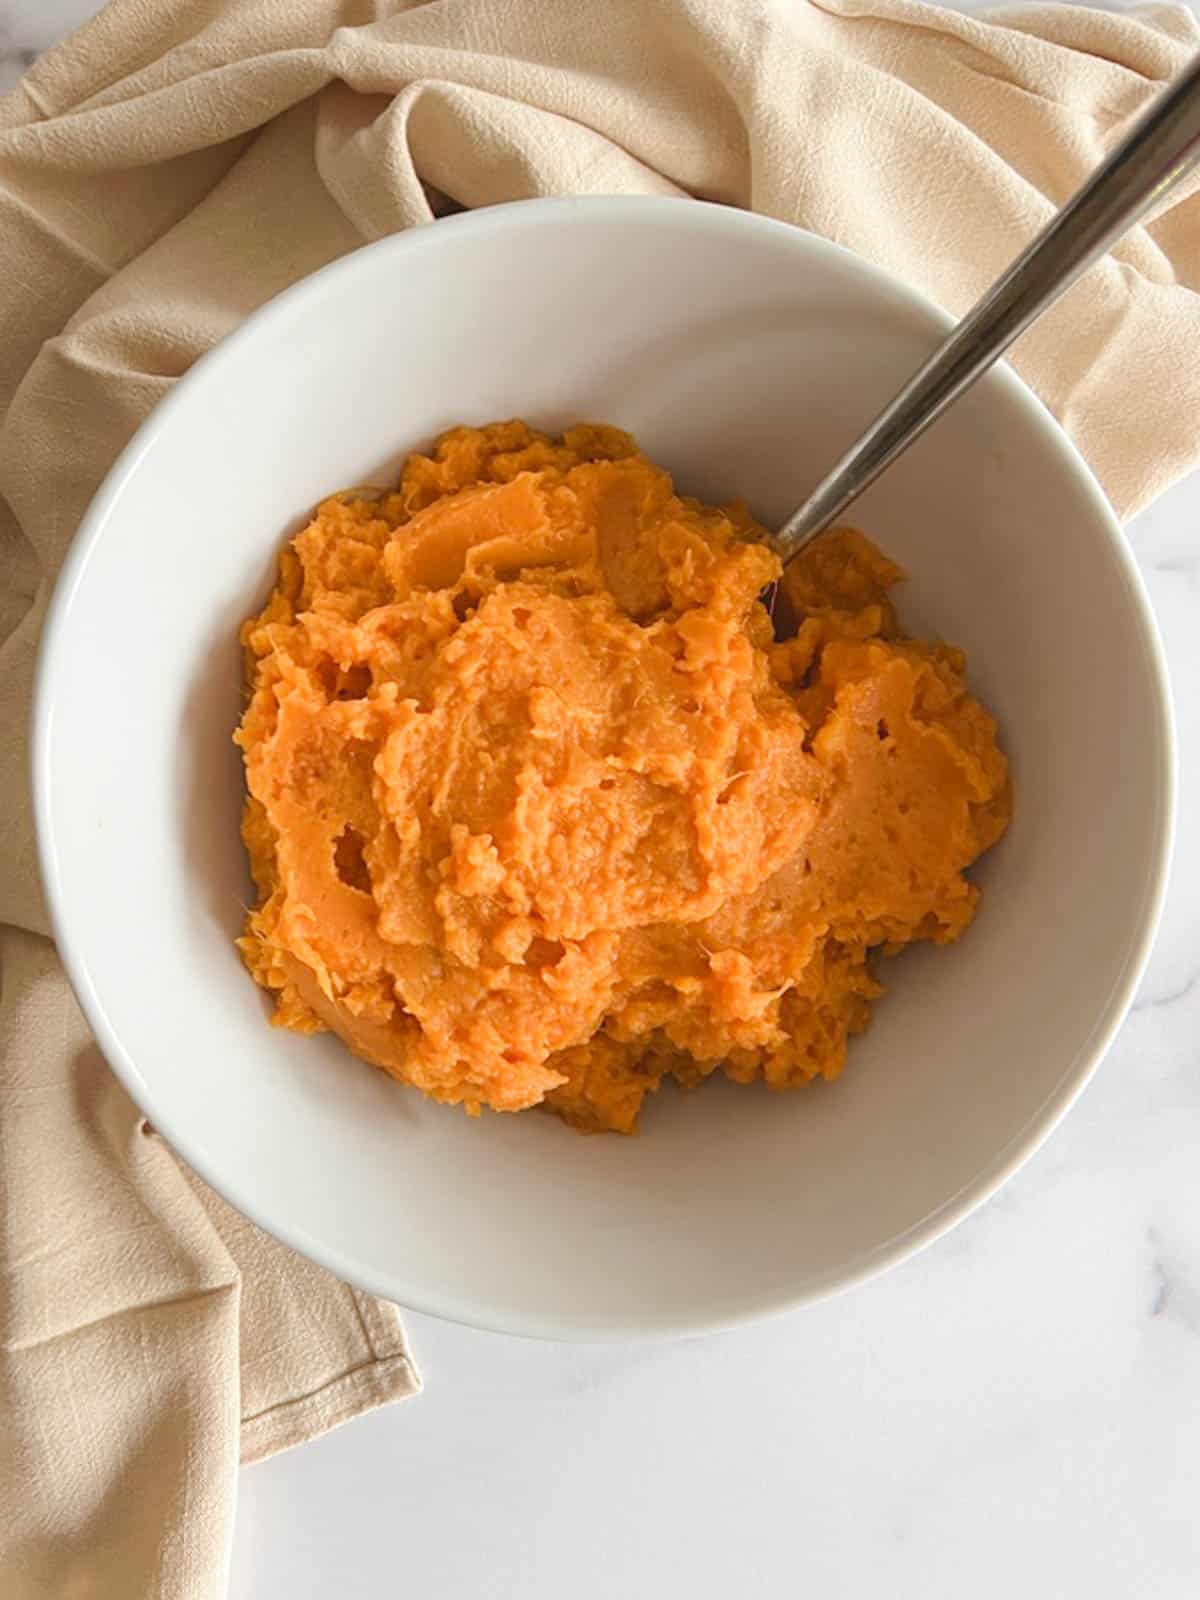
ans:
x=1015 y=1411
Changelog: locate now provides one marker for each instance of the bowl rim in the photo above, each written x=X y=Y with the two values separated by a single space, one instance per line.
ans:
x=562 y=211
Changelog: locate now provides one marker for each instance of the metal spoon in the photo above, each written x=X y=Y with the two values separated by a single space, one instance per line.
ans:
x=1161 y=148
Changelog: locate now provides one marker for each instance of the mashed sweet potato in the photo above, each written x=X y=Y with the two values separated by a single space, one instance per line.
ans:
x=539 y=812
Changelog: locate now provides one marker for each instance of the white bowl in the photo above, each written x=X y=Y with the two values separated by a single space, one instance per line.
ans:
x=743 y=354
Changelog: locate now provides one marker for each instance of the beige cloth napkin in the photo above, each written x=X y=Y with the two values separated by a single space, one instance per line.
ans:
x=161 y=174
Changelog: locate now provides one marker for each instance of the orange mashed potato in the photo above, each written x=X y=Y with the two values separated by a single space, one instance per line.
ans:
x=540 y=813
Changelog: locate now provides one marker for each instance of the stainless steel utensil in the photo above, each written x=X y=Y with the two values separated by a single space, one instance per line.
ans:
x=1161 y=148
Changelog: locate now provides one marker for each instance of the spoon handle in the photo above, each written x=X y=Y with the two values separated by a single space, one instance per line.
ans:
x=1162 y=147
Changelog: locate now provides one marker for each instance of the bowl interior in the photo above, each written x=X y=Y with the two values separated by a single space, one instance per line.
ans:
x=742 y=354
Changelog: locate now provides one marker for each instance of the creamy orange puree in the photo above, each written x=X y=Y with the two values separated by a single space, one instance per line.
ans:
x=539 y=811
